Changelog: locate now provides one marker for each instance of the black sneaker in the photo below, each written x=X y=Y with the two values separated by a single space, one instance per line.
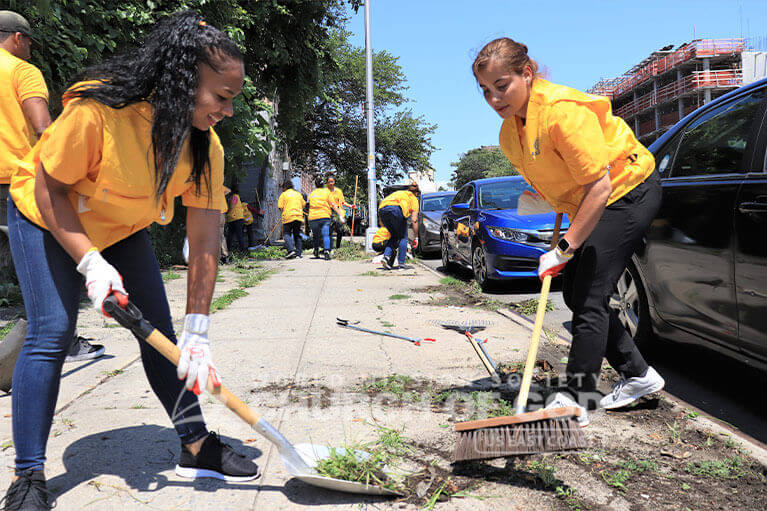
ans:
x=290 y=255
x=327 y=256
x=81 y=349
x=28 y=493
x=217 y=460
x=385 y=263
x=316 y=254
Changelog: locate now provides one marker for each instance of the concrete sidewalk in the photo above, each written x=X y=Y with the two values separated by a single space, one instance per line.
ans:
x=279 y=349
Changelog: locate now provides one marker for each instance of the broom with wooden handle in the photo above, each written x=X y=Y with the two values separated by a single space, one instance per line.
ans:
x=525 y=432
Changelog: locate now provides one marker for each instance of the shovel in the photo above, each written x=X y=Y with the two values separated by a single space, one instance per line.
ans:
x=299 y=460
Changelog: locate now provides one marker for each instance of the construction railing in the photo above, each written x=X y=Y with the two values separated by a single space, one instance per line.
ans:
x=719 y=78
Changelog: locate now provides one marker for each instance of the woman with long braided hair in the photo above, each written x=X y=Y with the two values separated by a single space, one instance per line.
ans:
x=136 y=132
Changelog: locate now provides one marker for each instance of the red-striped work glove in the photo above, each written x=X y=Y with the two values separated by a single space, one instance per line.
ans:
x=552 y=262
x=196 y=363
x=101 y=280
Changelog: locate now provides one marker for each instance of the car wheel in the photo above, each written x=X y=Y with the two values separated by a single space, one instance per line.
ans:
x=479 y=267
x=447 y=264
x=630 y=302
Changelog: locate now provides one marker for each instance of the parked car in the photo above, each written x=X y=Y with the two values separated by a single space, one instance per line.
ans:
x=430 y=210
x=482 y=231
x=702 y=275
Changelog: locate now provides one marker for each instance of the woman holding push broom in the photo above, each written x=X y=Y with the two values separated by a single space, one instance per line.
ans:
x=585 y=162
x=133 y=135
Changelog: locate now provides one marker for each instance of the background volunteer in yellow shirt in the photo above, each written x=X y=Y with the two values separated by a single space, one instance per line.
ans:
x=23 y=118
x=291 y=204
x=393 y=212
x=337 y=226
x=321 y=205
x=587 y=163
x=81 y=202
x=235 y=222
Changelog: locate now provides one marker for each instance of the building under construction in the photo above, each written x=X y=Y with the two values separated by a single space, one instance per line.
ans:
x=669 y=84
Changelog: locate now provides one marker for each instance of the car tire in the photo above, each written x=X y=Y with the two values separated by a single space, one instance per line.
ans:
x=447 y=264
x=479 y=267
x=630 y=302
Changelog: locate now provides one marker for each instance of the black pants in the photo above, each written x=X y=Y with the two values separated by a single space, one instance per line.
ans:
x=292 y=234
x=337 y=228
x=590 y=279
x=235 y=233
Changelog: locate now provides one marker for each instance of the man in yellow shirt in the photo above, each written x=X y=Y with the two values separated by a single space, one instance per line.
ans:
x=23 y=118
x=394 y=211
x=291 y=204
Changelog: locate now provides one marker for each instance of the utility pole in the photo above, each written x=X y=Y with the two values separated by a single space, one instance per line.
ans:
x=372 y=195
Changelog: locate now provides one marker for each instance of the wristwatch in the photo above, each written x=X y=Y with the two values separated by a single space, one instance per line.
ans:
x=563 y=245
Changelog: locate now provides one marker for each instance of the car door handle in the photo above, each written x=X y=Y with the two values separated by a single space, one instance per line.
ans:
x=752 y=207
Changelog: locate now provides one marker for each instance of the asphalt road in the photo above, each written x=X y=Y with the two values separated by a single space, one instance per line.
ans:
x=717 y=386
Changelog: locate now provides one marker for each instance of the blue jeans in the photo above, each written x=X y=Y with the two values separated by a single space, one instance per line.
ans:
x=51 y=287
x=391 y=217
x=292 y=235
x=320 y=229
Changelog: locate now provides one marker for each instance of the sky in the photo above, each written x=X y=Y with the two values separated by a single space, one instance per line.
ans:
x=576 y=42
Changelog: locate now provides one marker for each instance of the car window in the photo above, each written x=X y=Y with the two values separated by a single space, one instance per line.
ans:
x=501 y=194
x=465 y=196
x=436 y=203
x=665 y=157
x=715 y=142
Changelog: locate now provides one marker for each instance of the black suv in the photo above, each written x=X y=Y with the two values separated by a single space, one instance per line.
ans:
x=702 y=275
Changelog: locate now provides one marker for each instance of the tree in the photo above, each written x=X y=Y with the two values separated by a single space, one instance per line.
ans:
x=480 y=163
x=334 y=134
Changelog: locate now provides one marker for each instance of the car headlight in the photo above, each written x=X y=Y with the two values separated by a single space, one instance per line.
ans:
x=504 y=233
x=430 y=225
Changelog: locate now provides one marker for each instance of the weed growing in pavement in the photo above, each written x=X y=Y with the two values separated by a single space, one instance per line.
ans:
x=139 y=407
x=7 y=328
x=709 y=440
x=570 y=497
x=691 y=414
x=451 y=281
x=730 y=443
x=270 y=252
x=544 y=472
x=529 y=307
x=170 y=275
x=393 y=384
x=254 y=277
x=372 y=273
x=616 y=479
x=731 y=468
x=110 y=374
x=225 y=300
x=675 y=432
x=10 y=294
x=639 y=465
x=386 y=324
x=589 y=457
x=6 y=445
x=349 y=251
x=399 y=297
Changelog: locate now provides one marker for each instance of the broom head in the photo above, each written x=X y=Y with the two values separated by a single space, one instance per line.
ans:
x=527 y=433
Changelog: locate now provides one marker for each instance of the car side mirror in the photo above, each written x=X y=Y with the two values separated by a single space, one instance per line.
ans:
x=459 y=206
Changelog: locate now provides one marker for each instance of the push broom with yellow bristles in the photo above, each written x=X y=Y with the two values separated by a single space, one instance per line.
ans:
x=550 y=430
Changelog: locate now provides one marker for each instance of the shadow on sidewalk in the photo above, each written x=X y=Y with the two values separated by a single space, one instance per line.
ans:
x=138 y=455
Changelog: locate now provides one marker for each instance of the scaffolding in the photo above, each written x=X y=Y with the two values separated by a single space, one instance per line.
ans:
x=667 y=85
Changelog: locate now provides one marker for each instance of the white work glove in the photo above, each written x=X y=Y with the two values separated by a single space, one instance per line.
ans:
x=552 y=262
x=195 y=363
x=530 y=203
x=101 y=280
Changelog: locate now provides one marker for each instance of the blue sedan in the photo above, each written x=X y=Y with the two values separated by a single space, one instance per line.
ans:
x=482 y=231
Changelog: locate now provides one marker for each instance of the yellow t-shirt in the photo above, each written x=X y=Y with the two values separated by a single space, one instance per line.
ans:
x=247 y=216
x=338 y=197
x=381 y=235
x=235 y=209
x=402 y=198
x=19 y=81
x=571 y=139
x=319 y=204
x=291 y=203
x=104 y=154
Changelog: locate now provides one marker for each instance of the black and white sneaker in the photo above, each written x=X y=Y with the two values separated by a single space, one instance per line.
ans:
x=385 y=263
x=81 y=349
x=28 y=493
x=327 y=255
x=290 y=255
x=217 y=460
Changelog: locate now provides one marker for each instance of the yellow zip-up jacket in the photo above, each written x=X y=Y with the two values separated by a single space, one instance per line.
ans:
x=571 y=139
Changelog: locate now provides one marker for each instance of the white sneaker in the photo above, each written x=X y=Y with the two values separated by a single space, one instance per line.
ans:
x=561 y=400
x=627 y=391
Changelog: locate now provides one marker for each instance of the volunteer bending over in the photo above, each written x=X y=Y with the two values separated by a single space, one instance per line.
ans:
x=394 y=212
x=132 y=136
x=585 y=162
